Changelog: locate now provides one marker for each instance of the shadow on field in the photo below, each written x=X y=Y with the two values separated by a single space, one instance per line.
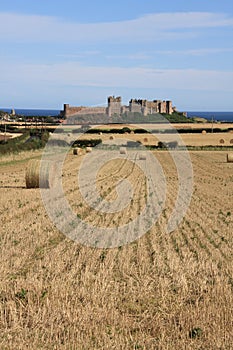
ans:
x=7 y=186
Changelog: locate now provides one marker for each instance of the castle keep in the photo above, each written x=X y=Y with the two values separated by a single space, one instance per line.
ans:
x=150 y=107
x=115 y=107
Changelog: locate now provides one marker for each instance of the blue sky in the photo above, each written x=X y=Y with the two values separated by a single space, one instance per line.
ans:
x=79 y=52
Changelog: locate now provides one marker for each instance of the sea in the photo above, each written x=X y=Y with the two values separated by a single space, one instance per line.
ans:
x=226 y=117
x=34 y=112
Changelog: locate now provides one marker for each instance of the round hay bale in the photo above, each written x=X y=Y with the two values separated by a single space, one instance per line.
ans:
x=77 y=151
x=88 y=149
x=100 y=133
x=231 y=141
x=142 y=156
x=221 y=141
x=39 y=174
x=123 y=150
x=131 y=132
x=203 y=132
x=229 y=157
x=145 y=139
x=111 y=138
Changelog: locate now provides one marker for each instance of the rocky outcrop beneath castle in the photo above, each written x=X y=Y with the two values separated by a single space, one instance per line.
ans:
x=127 y=118
x=88 y=118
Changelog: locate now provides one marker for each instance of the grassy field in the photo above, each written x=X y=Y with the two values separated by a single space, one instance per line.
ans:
x=163 y=291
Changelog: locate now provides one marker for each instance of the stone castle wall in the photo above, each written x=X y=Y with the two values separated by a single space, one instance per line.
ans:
x=115 y=107
x=149 y=107
x=92 y=110
x=69 y=111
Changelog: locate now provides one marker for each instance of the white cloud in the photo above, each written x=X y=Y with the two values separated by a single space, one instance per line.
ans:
x=149 y=54
x=135 y=56
x=196 y=52
x=75 y=74
x=82 y=54
x=159 y=26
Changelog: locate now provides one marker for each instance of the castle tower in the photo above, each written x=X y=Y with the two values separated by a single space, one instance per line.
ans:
x=162 y=107
x=114 y=105
x=169 y=107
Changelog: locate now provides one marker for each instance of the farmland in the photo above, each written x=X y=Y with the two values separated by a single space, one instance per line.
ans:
x=162 y=291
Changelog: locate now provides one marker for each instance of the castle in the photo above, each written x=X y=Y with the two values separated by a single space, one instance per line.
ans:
x=115 y=108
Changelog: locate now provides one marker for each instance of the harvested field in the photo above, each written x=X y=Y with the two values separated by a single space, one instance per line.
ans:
x=194 y=126
x=210 y=139
x=163 y=291
x=189 y=139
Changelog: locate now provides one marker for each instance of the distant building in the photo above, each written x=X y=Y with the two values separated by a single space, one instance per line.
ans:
x=115 y=107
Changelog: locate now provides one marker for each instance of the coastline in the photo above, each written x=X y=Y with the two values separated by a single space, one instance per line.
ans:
x=222 y=116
